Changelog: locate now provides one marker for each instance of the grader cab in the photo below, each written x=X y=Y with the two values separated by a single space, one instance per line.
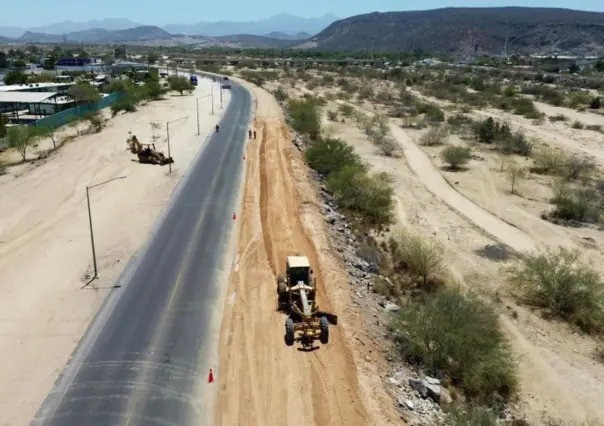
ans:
x=297 y=297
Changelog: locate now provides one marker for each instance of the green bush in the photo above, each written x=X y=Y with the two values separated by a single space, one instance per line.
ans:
x=577 y=125
x=549 y=161
x=346 y=110
x=435 y=136
x=421 y=257
x=458 y=336
x=331 y=155
x=432 y=113
x=470 y=416
x=305 y=114
x=580 y=204
x=577 y=167
x=456 y=156
x=525 y=107
x=370 y=196
x=560 y=283
x=332 y=115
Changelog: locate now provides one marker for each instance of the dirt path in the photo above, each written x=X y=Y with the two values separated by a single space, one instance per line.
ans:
x=552 y=359
x=45 y=242
x=263 y=381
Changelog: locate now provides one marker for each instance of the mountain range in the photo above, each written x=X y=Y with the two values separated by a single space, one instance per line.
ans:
x=287 y=24
x=468 y=31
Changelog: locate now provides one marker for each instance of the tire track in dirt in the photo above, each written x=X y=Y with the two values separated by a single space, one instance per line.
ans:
x=262 y=380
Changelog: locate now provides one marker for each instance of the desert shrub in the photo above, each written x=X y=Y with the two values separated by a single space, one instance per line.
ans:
x=458 y=336
x=346 y=110
x=578 y=204
x=514 y=143
x=558 y=117
x=369 y=196
x=577 y=167
x=432 y=113
x=548 y=160
x=456 y=156
x=525 y=107
x=578 y=99
x=389 y=147
x=305 y=115
x=577 y=125
x=470 y=416
x=126 y=103
x=280 y=94
x=331 y=155
x=514 y=173
x=332 y=115
x=457 y=121
x=435 y=136
x=96 y=121
x=563 y=285
x=594 y=127
x=595 y=103
x=421 y=257
x=366 y=92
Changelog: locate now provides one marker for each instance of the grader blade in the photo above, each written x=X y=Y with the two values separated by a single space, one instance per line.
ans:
x=333 y=319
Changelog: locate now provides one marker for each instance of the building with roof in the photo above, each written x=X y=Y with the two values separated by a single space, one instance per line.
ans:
x=61 y=87
x=27 y=107
x=120 y=67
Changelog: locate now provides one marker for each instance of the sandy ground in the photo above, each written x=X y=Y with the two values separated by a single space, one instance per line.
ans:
x=559 y=376
x=263 y=381
x=45 y=246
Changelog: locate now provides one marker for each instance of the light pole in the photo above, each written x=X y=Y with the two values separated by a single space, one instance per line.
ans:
x=197 y=104
x=168 y=134
x=88 y=188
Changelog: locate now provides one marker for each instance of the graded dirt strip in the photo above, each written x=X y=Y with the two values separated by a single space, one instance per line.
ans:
x=263 y=381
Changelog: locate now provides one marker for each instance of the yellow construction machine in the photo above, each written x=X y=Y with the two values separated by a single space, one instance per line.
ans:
x=147 y=154
x=296 y=292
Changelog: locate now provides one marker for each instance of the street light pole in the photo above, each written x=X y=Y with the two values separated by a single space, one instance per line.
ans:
x=197 y=103
x=169 y=154
x=168 y=134
x=220 y=97
x=96 y=274
x=88 y=188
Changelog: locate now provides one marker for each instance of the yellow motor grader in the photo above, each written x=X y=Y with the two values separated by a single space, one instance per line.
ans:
x=296 y=292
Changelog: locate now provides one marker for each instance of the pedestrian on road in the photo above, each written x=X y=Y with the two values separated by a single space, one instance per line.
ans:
x=250 y=133
x=254 y=134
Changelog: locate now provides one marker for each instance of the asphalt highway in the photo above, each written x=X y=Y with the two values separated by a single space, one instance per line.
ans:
x=143 y=358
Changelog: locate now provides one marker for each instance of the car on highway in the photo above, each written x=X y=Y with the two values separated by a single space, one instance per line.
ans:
x=226 y=86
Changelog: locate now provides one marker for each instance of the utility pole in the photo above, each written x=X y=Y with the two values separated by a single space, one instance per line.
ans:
x=88 y=188
x=168 y=138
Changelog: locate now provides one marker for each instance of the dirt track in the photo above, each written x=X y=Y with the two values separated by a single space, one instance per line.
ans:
x=263 y=381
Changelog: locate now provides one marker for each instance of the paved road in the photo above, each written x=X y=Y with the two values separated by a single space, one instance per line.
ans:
x=144 y=357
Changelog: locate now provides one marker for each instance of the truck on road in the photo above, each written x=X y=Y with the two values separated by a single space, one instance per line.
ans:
x=193 y=80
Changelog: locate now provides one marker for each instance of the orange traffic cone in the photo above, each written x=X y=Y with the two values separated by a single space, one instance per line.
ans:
x=211 y=377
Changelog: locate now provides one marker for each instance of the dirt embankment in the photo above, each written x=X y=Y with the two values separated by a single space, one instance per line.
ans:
x=263 y=381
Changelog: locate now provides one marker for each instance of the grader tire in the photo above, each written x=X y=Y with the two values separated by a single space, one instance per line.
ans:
x=289 y=332
x=324 y=335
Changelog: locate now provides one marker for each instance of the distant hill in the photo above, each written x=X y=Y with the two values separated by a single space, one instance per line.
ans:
x=468 y=30
x=283 y=36
x=99 y=35
x=254 y=41
x=60 y=28
x=282 y=23
x=155 y=36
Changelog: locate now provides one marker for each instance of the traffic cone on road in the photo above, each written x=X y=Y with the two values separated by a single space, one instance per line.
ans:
x=211 y=377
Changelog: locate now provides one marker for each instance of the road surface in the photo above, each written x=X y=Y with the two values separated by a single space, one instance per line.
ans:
x=145 y=358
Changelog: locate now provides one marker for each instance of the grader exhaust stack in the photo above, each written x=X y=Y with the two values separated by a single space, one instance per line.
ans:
x=305 y=323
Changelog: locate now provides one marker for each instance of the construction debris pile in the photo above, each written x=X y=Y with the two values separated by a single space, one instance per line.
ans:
x=146 y=153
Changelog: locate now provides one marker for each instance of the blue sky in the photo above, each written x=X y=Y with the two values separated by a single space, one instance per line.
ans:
x=159 y=12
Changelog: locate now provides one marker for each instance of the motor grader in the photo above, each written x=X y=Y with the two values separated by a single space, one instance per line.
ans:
x=296 y=292
x=147 y=154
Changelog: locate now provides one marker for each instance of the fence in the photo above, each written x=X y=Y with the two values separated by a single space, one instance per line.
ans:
x=61 y=118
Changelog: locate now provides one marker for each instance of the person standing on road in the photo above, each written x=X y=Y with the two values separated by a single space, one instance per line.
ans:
x=250 y=133
x=254 y=134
